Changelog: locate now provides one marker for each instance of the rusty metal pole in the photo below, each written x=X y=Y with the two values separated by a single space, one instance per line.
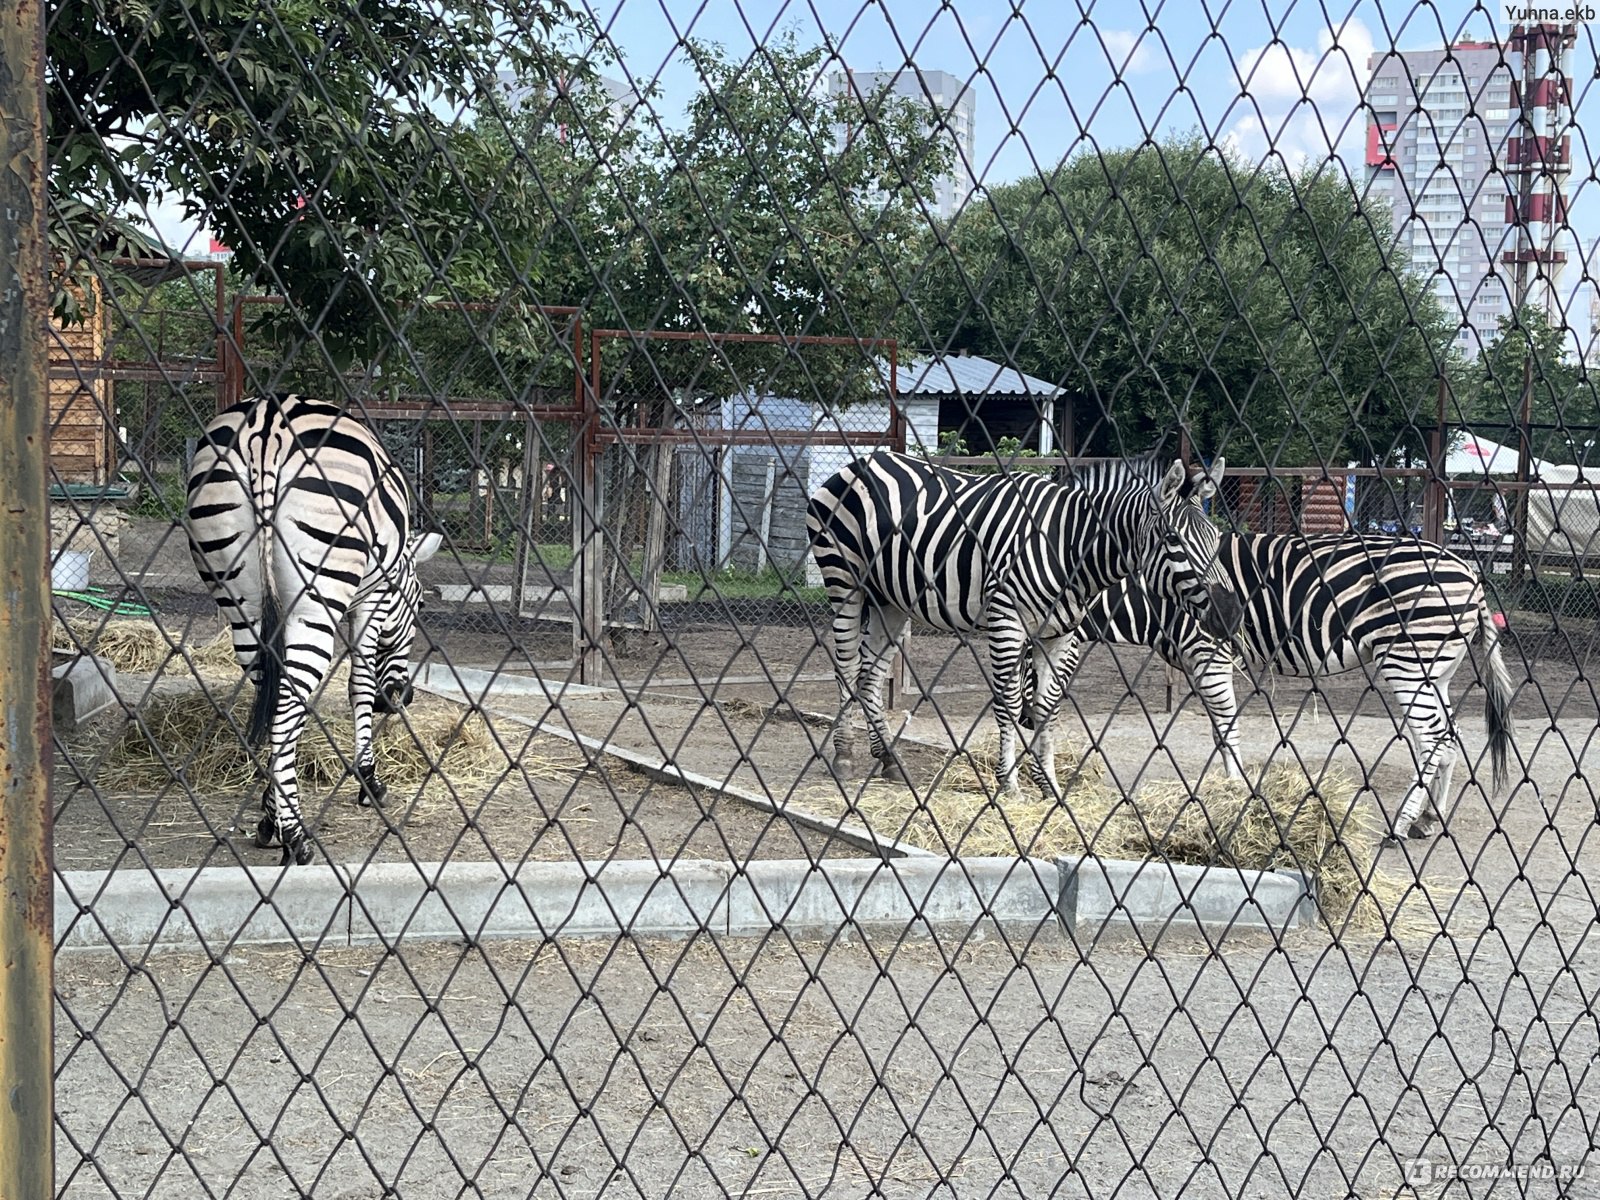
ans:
x=1519 y=546
x=27 y=1156
x=588 y=534
x=1435 y=494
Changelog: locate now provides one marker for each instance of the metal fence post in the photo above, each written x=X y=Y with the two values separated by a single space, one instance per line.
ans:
x=1435 y=496
x=27 y=1155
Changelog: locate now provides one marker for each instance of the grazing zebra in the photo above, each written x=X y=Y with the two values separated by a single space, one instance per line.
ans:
x=1014 y=556
x=297 y=518
x=1322 y=605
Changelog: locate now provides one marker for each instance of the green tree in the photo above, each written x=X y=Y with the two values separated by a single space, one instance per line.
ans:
x=777 y=208
x=325 y=142
x=1563 y=411
x=773 y=208
x=1174 y=283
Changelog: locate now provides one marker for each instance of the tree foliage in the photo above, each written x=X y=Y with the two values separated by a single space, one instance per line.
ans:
x=775 y=208
x=324 y=142
x=1173 y=284
x=1563 y=411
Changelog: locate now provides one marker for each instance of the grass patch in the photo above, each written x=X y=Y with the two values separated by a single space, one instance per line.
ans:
x=554 y=556
x=1320 y=826
x=437 y=748
x=140 y=647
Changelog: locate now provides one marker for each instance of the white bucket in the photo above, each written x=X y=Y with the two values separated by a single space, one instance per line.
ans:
x=70 y=571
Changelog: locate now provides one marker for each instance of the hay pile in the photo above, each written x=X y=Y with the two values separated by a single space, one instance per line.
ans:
x=140 y=647
x=438 y=749
x=1289 y=821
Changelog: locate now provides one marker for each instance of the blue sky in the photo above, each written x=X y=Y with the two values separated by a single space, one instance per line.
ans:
x=1271 y=79
x=1050 y=76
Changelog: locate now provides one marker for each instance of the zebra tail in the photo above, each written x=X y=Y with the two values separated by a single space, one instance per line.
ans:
x=1497 y=706
x=265 y=708
x=269 y=636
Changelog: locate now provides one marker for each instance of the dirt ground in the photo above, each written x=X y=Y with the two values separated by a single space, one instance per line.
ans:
x=1012 y=1063
x=1013 y=1067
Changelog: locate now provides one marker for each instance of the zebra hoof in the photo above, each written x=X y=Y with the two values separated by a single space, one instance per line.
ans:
x=893 y=772
x=1424 y=828
x=844 y=766
x=1048 y=788
x=296 y=849
x=266 y=833
x=373 y=790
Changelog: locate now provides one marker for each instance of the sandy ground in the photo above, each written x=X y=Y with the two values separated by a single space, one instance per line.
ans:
x=1010 y=1064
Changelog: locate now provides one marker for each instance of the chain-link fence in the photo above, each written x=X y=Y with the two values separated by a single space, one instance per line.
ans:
x=627 y=297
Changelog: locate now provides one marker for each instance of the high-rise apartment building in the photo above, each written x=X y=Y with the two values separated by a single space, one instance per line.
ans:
x=1466 y=144
x=952 y=109
x=1437 y=128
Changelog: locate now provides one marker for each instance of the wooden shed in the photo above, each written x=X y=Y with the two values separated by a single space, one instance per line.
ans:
x=82 y=433
x=84 y=517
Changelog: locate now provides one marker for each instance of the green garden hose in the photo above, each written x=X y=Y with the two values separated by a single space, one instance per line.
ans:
x=95 y=597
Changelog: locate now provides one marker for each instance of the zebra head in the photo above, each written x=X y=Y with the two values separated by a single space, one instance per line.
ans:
x=1180 y=554
x=397 y=626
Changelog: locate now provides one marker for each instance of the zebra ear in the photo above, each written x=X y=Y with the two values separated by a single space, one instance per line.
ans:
x=425 y=547
x=1208 y=479
x=1172 y=486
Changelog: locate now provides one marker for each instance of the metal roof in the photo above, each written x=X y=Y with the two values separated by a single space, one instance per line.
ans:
x=968 y=375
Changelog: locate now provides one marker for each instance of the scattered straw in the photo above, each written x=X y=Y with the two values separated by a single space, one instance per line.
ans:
x=197 y=740
x=1287 y=821
x=140 y=647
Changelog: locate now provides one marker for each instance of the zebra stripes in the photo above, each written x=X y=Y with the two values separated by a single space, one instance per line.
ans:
x=298 y=519
x=1015 y=557
x=1323 y=605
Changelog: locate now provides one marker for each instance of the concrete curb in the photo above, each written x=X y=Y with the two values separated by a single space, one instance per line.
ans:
x=504 y=593
x=1098 y=894
x=212 y=908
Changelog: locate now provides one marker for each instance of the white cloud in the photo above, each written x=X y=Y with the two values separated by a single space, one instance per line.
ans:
x=1302 y=103
x=1129 y=52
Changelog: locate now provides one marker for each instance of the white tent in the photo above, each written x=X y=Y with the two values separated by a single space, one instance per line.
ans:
x=1561 y=521
x=1473 y=455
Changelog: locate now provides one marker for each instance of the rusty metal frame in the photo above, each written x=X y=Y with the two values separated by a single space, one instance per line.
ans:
x=426 y=408
x=27 y=918
x=588 y=532
x=419 y=408
x=153 y=370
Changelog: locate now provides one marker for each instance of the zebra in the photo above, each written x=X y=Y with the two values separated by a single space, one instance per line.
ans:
x=297 y=518
x=1014 y=556
x=1323 y=605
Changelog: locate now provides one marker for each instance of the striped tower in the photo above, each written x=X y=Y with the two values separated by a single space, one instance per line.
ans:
x=1538 y=159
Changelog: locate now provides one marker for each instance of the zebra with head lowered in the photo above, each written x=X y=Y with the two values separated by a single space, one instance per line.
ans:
x=1015 y=557
x=1321 y=605
x=297 y=518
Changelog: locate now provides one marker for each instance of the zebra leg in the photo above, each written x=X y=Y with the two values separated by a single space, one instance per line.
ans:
x=1054 y=664
x=225 y=544
x=363 y=691
x=1426 y=711
x=848 y=629
x=309 y=632
x=1439 y=791
x=1211 y=674
x=282 y=821
x=887 y=630
x=1007 y=640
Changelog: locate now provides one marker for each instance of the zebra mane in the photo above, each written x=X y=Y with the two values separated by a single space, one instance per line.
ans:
x=1146 y=469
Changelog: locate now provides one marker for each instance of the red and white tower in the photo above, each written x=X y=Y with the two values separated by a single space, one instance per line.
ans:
x=1538 y=161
